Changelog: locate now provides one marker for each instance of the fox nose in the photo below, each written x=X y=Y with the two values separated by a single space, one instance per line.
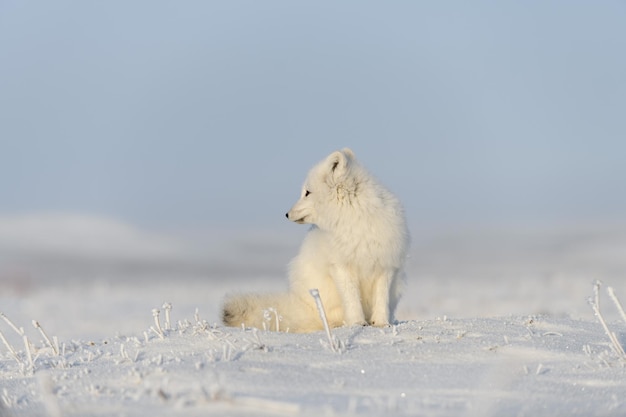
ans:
x=287 y=215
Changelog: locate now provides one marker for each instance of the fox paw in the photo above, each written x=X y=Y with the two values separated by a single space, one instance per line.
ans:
x=380 y=321
x=357 y=323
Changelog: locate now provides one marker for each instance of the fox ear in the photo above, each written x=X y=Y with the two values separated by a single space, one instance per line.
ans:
x=339 y=162
x=348 y=153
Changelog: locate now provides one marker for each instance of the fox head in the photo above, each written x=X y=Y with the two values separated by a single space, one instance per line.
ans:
x=326 y=186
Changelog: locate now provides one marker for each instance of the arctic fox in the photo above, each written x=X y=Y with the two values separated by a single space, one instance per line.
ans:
x=354 y=255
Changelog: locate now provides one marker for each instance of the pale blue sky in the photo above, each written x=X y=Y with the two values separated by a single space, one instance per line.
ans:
x=193 y=115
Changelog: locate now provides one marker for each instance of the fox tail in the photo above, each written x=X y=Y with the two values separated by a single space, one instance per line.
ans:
x=278 y=312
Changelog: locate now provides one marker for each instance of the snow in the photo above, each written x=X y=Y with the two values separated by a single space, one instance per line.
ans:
x=499 y=366
x=488 y=326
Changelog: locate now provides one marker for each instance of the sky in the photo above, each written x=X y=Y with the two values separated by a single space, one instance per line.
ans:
x=198 y=115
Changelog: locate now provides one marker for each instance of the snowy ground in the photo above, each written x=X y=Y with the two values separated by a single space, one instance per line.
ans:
x=502 y=366
x=488 y=326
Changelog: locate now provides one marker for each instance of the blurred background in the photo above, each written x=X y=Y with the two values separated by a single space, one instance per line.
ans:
x=153 y=142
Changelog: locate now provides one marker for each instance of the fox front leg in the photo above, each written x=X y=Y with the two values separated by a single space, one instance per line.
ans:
x=381 y=299
x=350 y=296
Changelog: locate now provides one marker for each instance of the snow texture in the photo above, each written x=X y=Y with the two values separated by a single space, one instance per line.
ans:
x=487 y=329
x=517 y=365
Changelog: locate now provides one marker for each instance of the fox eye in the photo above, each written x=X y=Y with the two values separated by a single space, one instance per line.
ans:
x=306 y=193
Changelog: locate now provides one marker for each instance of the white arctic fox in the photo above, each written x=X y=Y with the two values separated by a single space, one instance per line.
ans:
x=354 y=254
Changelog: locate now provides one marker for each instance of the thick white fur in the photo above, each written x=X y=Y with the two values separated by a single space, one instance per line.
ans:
x=354 y=254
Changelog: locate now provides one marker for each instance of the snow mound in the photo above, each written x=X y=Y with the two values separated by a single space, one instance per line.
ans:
x=516 y=365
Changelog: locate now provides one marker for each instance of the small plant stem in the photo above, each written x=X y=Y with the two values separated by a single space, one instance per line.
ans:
x=277 y=320
x=595 y=305
x=320 y=308
x=19 y=331
x=157 y=322
x=596 y=293
x=56 y=344
x=29 y=353
x=46 y=338
x=168 y=308
x=268 y=316
x=619 y=306
x=9 y=347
